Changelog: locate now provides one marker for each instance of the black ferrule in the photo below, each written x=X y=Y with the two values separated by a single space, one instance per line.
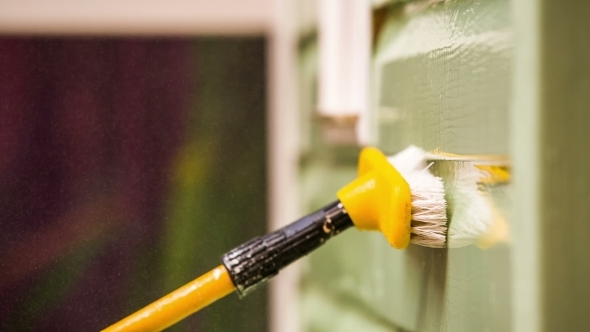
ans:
x=258 y=260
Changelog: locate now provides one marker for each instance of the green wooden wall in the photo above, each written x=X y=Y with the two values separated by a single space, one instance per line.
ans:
x=442 y=76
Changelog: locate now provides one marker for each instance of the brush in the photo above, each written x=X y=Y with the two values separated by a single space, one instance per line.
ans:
x=477 y=193
x=397 y=196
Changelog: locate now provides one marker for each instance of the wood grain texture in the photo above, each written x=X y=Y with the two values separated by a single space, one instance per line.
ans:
x=443 y=78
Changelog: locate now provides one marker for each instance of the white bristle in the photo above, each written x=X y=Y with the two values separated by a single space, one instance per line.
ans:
x=473 y=212
x=429 y=207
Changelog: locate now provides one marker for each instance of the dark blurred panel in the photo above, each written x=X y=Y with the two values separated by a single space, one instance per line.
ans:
x=127 y=167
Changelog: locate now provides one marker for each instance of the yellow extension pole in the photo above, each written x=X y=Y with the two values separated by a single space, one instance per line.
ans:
x=175 y=306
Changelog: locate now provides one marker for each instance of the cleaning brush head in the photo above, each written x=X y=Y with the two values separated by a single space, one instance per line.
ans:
x=399 y=197
x=404 y=198
x=429 y=223
x=459 y=210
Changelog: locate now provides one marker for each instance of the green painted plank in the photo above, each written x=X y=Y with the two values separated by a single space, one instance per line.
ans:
x=564 y=116
x=442 y=77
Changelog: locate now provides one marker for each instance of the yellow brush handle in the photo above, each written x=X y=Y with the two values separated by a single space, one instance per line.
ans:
x=175 y=306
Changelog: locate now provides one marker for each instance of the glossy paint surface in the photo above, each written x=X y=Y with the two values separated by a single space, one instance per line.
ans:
x=178 y=304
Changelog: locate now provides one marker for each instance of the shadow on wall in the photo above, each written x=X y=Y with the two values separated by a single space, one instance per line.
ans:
x=434 y=282
x=127 y=167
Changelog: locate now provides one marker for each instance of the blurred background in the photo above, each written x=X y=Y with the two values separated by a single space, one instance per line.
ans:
x=129 y=165
x=132 y=156
x=141 y=140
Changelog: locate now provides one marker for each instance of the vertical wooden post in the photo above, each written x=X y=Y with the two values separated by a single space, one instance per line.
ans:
x=550 y=147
